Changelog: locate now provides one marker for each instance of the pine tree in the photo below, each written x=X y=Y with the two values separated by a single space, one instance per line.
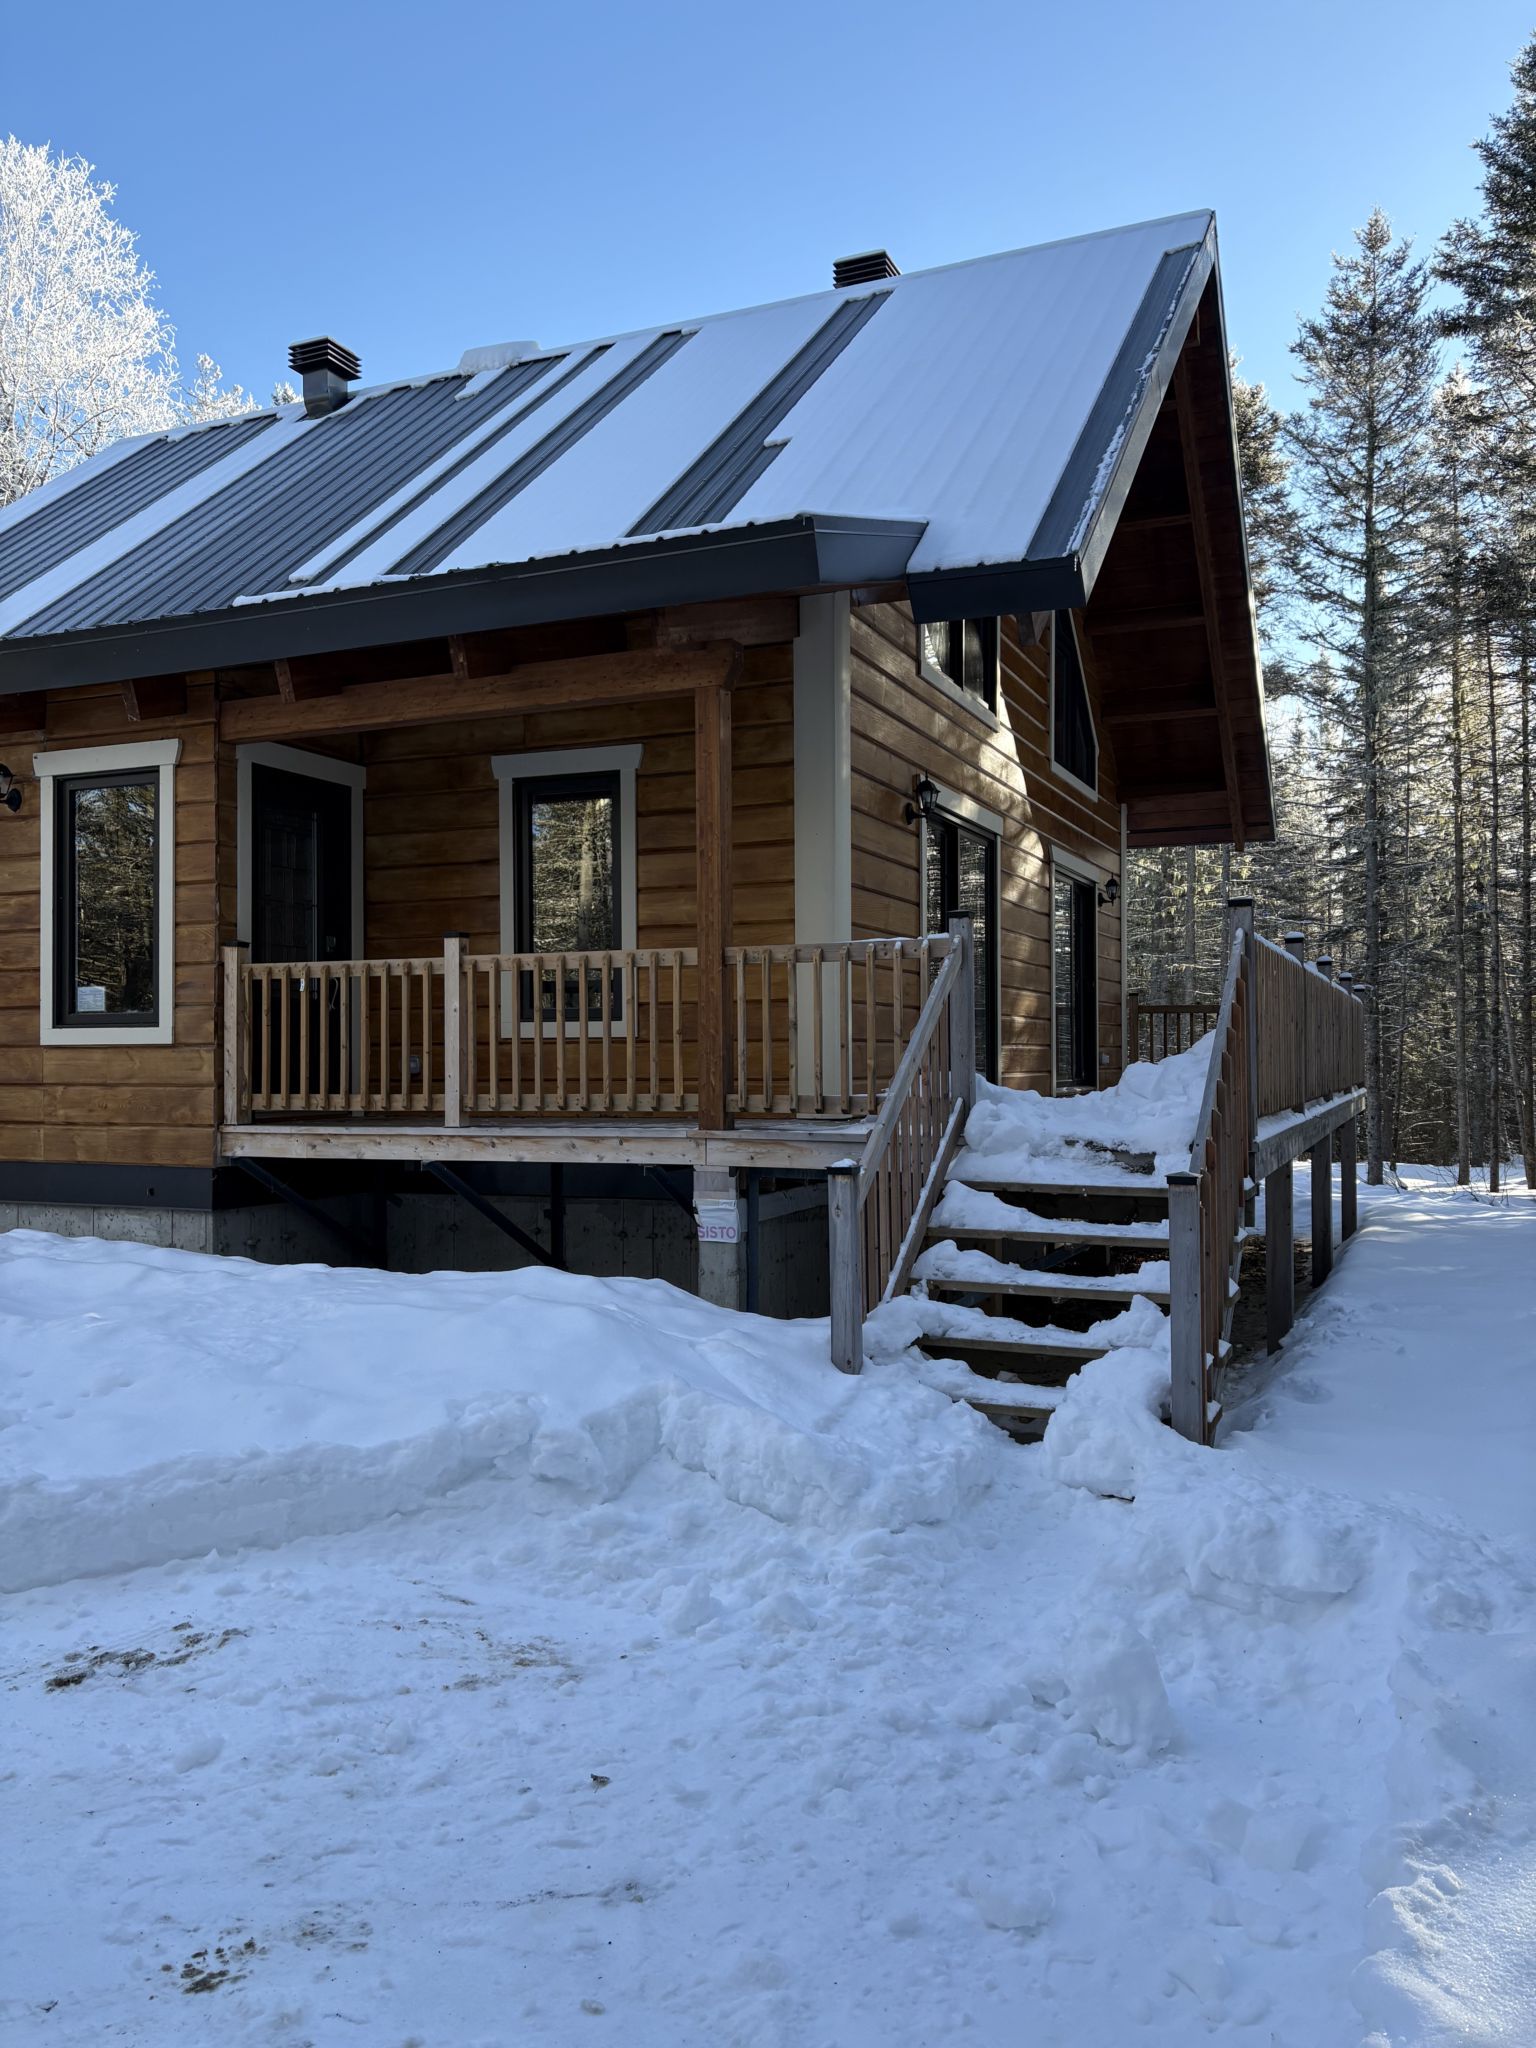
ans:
x=1368 y=363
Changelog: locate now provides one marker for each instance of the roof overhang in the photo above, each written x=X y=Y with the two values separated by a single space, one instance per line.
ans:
x=1067 y=549
x=811 y=552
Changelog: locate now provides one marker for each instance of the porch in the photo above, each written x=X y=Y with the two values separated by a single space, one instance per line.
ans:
x=618 y=1056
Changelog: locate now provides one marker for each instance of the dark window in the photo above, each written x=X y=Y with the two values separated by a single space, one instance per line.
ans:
x=965 y=650
x=962 y=878
x=1074 y=968
x=107 y=899
x=1072 y=740
x=568 y=882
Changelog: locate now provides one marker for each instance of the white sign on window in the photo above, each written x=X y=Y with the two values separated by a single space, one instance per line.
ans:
x=719 y=1222
x=90 y=996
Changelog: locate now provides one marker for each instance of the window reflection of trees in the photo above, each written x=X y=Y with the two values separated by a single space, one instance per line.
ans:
x=112 y=850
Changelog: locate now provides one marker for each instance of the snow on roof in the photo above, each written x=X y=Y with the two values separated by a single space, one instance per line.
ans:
x=964 y=419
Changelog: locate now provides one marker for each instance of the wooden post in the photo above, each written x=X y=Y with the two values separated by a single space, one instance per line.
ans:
x=1240 y=919
x=1325 y=966
x=237 y=1059
x=962 y=1014
x=1321 y=1158
x=1349 y=1178
x=1186 y=1335
x=1279 y=1254
x=1132 y=1047
x=712 y=824
x=453 y=1029
x=847 y=1262
x=1296 y=946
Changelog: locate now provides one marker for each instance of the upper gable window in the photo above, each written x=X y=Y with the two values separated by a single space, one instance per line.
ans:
x=1074 y=744
x=963 y=653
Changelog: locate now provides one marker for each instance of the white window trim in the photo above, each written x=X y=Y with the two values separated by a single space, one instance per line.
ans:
x=1065 y=774
x=47 y=767
x=1080 y=870
x=510 y=770
x=948 y=687
x=319 y=768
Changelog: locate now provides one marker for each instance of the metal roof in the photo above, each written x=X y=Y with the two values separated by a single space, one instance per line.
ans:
x=970 y=430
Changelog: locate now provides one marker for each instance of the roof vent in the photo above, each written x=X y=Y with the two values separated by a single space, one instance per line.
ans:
x=866 y=269
x=327 y=369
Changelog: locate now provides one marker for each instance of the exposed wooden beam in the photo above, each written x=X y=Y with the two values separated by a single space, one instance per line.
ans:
x=155 y=697
x=297 y=685
x=579 y=684
x=1150 y=522
x=1159 y=714
x=1200 y=526
x=1155 y=619
x=712 y=868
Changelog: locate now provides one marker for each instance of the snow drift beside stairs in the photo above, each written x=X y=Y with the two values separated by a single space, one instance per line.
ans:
x=1014 y=1133
x=164 y=1404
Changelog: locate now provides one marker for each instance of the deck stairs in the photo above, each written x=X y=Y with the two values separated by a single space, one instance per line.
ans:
x=1020 y=1278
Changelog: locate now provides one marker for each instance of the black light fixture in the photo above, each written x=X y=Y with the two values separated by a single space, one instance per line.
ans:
x=1110 y=893
x=926 y=795
x=10 y=795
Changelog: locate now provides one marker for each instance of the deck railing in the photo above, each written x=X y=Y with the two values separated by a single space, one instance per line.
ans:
x=879 y=1203
x=812 y=1031
x=1287 y=1039
x=1156 y=1031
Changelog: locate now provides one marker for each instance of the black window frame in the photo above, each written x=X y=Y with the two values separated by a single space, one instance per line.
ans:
x=1083 y=997
x=1060 y=621
x=64 y=909
x=942 y=837
x=991 y=657
x=527 y=791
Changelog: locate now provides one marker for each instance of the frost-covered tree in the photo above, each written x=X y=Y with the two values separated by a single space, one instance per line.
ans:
x=86 y=355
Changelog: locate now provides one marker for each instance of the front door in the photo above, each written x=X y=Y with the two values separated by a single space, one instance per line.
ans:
x=301 y=886
x=962 y=881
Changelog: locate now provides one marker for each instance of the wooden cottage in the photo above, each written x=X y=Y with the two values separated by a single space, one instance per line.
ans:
x=522 y=812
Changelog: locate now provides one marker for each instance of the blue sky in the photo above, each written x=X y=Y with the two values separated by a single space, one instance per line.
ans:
x=418 y=179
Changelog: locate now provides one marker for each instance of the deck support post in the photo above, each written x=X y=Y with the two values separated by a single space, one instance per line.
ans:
x=1185 y=1323
x=1321 y=1160
x=712 y=823
x=847 y=1266
x=717 y=1208
x=1349 y=1178
x=1279 y=1254
x=453 y=1029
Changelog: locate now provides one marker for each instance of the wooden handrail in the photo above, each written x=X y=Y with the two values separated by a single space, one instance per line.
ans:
x=879 y=1204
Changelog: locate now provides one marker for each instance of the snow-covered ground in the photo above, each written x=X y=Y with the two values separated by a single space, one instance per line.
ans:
x=523 y=1660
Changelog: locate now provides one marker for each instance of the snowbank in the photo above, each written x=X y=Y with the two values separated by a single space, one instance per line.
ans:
x=1016 y=1134
x=163 y=1404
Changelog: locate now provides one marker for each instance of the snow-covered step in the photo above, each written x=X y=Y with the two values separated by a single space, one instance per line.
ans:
x=1064 y=1230
x=1068 y=1348
x=1142 y=1187
x=1117 y=1290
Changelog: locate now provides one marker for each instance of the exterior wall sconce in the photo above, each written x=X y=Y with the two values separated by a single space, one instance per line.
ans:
x=1110 y=893
x=10 y=795
x=926 y=800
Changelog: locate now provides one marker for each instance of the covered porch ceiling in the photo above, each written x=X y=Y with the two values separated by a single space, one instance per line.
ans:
x=1170 y=622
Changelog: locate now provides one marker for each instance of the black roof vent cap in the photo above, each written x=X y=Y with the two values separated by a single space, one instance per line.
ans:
x=866 y=269
x=327 y=369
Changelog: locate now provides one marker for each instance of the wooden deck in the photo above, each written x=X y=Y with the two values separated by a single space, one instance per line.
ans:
x=789 y=1145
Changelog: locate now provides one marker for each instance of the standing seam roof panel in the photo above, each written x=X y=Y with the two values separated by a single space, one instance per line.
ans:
x=275 y=517
x=66 y=525
x=532 y=465
x=733 y=462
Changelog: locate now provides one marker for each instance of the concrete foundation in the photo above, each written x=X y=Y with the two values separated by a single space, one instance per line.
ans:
x=424 y=1231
